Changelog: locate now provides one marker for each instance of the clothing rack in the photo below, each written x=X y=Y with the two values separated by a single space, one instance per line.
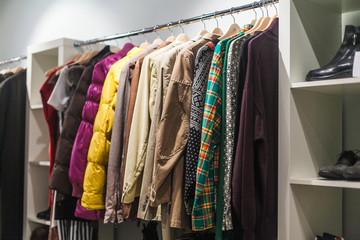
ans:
x=11 y=60
x=262 y=3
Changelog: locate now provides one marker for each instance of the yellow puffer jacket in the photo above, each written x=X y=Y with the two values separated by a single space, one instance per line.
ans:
x=98 y=155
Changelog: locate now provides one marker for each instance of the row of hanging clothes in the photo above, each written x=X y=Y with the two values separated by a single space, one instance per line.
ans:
x=12 y=147
x=182 y=131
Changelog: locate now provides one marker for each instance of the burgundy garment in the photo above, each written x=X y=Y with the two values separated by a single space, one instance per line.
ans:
x=84 y=134
x=254 y=182
x=51 y=118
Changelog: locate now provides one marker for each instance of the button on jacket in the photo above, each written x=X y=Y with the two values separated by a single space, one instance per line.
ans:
x=98 y=155
x=113 y=197
x=140 y=126
x=173 y=133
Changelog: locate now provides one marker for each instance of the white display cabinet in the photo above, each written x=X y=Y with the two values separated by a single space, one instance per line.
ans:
x=41 y=57
x=317 y=121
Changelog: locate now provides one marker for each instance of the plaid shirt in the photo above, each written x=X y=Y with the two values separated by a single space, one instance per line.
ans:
x=204 y=210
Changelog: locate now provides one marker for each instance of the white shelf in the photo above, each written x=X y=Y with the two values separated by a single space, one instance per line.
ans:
x=335 y=86
x=36 y=106
x=41 y=221
x=49 y=46
x=40 y=163
x=322 y=182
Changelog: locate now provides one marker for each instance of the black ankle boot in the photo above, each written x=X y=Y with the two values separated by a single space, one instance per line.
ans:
x=342 y=64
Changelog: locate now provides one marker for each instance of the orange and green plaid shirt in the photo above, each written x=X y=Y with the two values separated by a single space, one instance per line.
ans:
x=204 y=209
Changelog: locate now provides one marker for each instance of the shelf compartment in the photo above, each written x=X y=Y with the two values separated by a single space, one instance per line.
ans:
x=40 y=221
x=40 y=163
x=322 y=182
x=334 y=87
x=338 y=5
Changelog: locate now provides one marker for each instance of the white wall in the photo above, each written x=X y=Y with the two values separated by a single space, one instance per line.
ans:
x=26 y=22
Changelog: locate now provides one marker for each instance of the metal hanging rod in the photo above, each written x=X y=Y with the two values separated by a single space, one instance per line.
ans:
x=177 y=23
x=11 y=60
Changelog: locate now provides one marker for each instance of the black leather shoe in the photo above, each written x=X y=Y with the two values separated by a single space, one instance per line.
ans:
x=353 y=172
x=345 y=159
x=328 y=236
x=342 y=64
x=44 y=214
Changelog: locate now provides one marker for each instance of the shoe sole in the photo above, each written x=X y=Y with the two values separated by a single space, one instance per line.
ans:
x=330 y=176
x=343 y=74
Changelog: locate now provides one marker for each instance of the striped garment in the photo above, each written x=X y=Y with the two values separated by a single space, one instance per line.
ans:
x=204 y=209
x=75 y=230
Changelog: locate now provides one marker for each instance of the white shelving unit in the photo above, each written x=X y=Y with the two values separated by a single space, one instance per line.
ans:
x=41 y=57
x=39 y=221
x=317 y=121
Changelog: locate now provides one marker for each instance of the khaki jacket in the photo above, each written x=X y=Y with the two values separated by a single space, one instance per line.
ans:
x=140 y=126
x=172 y=136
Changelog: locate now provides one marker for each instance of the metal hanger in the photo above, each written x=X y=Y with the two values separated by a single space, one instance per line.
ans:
x=254 y=21
x=158 y=39
x=146 y=43
x=182 y=37
x=217 y=30
x=171 y=38
x=130 y=38
x=232 y=30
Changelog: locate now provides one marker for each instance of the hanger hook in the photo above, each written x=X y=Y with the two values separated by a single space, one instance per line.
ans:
x=129 y=37
x=261 y=8
x=273 y=3
x=168 y=27
x=217 y=23
x=155 y=28
x=144 y=34
x=254 y=9
x=202 y=16
x=267 y=12
x=231 y=13
x=181 y=26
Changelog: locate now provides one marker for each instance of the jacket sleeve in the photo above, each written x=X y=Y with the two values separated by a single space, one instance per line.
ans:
x=112 y=201
x=138 y=138
x=243 y=185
